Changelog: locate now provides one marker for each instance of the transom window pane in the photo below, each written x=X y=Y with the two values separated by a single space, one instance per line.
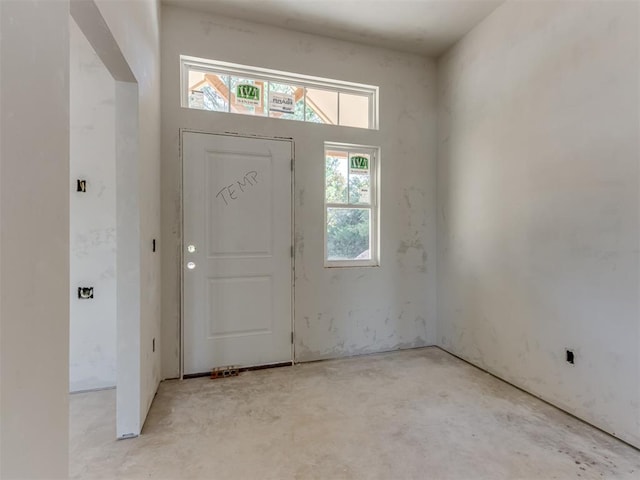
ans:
x=286 y=101
x=208 y=91
x=248 y=96
x=322 y=106
x=353 y=110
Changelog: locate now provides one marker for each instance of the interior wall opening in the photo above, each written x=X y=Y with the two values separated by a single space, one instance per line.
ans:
x=105 y=247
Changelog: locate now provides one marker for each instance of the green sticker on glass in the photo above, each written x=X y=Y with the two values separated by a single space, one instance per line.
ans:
x=358 y=164
x=248 y=94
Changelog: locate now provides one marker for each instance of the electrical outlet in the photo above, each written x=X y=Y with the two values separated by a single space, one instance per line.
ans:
x=570 y=357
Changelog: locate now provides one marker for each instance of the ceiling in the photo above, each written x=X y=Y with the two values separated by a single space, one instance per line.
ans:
x=426 y=27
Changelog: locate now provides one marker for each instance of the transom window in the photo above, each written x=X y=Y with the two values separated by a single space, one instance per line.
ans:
x=351 y=205
x=232 y=88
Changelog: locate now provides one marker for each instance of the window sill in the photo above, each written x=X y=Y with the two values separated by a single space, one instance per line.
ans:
x=350 y=265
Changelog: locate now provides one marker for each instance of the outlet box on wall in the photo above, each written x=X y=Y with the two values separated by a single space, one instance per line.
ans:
x=85 y=293
x=570 y=356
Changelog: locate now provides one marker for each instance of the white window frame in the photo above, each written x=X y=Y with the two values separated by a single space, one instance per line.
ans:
x=374 y=195
x=267 y=75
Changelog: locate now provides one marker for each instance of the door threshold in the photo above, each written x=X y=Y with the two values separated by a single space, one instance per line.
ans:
x=241 y=369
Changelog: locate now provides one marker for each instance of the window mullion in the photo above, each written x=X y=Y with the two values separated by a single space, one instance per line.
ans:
x=265 y=95
x=304 y=106
x=348 y=169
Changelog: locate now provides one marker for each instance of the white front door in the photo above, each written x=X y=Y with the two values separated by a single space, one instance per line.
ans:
x=237 y=266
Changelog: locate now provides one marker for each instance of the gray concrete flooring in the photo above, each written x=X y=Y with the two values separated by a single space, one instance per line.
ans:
x=415 y=414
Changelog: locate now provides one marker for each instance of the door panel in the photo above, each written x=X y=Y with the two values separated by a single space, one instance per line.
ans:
x=230 y=314
x=239 y=198
x=237 y=251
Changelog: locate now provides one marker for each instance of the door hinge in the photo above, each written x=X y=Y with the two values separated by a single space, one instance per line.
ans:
x=292 y=337
x=292 y=252
x=292 y=164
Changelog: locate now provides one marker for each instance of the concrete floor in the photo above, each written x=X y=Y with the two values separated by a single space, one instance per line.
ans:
x=419 y=414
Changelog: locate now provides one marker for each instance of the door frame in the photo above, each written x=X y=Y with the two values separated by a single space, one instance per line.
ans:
x=182 y=245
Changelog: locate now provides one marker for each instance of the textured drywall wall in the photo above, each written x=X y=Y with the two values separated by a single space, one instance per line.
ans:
x=135 y=26
x=538 y=204
x=92 y=349
x=339 y=311
x=34 y=239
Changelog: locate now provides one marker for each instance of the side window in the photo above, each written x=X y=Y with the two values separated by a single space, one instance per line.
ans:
x=351 y=205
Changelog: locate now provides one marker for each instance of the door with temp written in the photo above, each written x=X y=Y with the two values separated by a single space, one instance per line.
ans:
x=237 y=265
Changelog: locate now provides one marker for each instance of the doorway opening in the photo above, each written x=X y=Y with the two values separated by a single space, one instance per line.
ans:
x=104 y=352
x=92 y=228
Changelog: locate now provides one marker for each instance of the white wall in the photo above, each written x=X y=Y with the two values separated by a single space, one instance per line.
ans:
x=538 y=204
x=338 y=312
x=34 y=239
x=92 y=349
x=34 y=207
x=135 y=26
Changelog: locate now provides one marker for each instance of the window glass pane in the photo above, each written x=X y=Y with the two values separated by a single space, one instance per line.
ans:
x=348 y=234
x=248 y=96
x=336 y=174
x=354 y=110
x=286 y=101
x=359 y=178
x=208 y=91
x=322 y=106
